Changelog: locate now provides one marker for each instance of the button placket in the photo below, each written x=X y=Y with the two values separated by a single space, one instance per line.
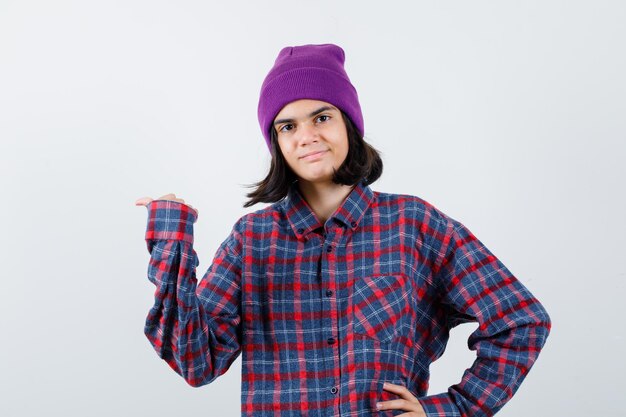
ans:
x=328 y=263
x=329 y=248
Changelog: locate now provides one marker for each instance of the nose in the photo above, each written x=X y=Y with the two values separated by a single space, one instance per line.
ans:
x=307 y=133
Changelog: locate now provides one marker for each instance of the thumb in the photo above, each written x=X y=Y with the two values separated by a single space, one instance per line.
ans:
x=143 y=201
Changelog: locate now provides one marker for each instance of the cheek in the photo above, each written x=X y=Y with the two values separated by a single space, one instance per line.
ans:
x=286 y=152
x=344 y=152
x=291 y=159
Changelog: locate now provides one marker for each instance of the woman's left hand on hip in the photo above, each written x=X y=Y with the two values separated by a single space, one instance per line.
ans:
x=406 y=402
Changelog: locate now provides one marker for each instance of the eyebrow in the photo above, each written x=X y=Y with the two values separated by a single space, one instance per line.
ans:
x=321 y=109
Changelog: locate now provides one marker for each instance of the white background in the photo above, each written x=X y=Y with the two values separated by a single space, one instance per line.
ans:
x=507 y=116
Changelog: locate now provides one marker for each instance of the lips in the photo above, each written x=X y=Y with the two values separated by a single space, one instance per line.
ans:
x=313 y=154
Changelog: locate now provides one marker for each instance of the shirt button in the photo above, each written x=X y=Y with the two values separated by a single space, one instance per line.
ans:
x=331 y=340
x=300 y=230
x=353 y=224
x=329 y=248
x=334 y=390
x=329 y=293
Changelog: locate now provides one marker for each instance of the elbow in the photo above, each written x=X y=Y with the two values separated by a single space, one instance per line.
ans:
x=197 y=381
x=547 y=321
x=198 y=375
x=543 y=323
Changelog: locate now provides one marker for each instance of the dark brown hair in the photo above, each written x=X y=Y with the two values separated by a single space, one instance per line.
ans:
x=362 y=162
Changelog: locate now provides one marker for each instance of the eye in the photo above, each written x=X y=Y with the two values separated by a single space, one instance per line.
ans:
x=324 y=115
x=282 y=129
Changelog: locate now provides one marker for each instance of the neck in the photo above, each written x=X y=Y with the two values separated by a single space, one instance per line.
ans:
x=324 y=197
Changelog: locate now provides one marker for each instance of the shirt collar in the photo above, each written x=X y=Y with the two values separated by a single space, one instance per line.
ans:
x=303 y=220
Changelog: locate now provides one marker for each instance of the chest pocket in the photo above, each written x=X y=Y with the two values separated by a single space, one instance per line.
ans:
x=383 y=307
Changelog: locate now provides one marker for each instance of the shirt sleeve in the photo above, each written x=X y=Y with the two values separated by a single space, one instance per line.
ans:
x=194 y=327
x=513 y=324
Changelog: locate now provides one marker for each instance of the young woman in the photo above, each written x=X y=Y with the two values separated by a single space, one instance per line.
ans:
x=337 y=297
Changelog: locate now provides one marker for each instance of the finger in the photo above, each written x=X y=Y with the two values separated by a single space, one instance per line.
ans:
x=414 y=409
x=414 y=413
x=399 y=404
x=170 y=196
x=400 y=390
x=143 y=201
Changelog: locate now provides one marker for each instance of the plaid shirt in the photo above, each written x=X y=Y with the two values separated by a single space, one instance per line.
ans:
x=323 y=314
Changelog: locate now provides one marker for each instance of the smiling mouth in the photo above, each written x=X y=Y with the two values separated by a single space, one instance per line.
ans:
x=314 y=155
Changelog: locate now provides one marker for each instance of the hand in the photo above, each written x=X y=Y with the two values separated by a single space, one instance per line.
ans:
x=144 y=201
x=408 y=402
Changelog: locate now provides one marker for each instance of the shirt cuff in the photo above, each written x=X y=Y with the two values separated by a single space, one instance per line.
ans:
x=171 y=220
x=439 y=405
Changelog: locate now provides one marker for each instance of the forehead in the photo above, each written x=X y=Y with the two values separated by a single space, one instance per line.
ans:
x=301 y=108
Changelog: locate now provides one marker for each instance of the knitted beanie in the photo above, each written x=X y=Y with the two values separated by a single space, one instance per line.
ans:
x=308 y=72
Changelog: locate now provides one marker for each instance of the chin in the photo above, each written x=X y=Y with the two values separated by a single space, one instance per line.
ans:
x=311 y=176
x=321 y=179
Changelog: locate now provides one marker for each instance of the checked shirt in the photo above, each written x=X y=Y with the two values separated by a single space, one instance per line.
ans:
x=323 y=313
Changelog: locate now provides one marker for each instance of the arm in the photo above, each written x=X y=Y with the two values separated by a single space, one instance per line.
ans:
x=194 y=327
x=513 y=325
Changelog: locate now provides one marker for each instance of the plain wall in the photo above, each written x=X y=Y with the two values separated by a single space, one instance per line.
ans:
x=507 y=116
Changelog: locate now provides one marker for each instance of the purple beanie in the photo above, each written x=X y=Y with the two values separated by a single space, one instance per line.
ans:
x=308 y=72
